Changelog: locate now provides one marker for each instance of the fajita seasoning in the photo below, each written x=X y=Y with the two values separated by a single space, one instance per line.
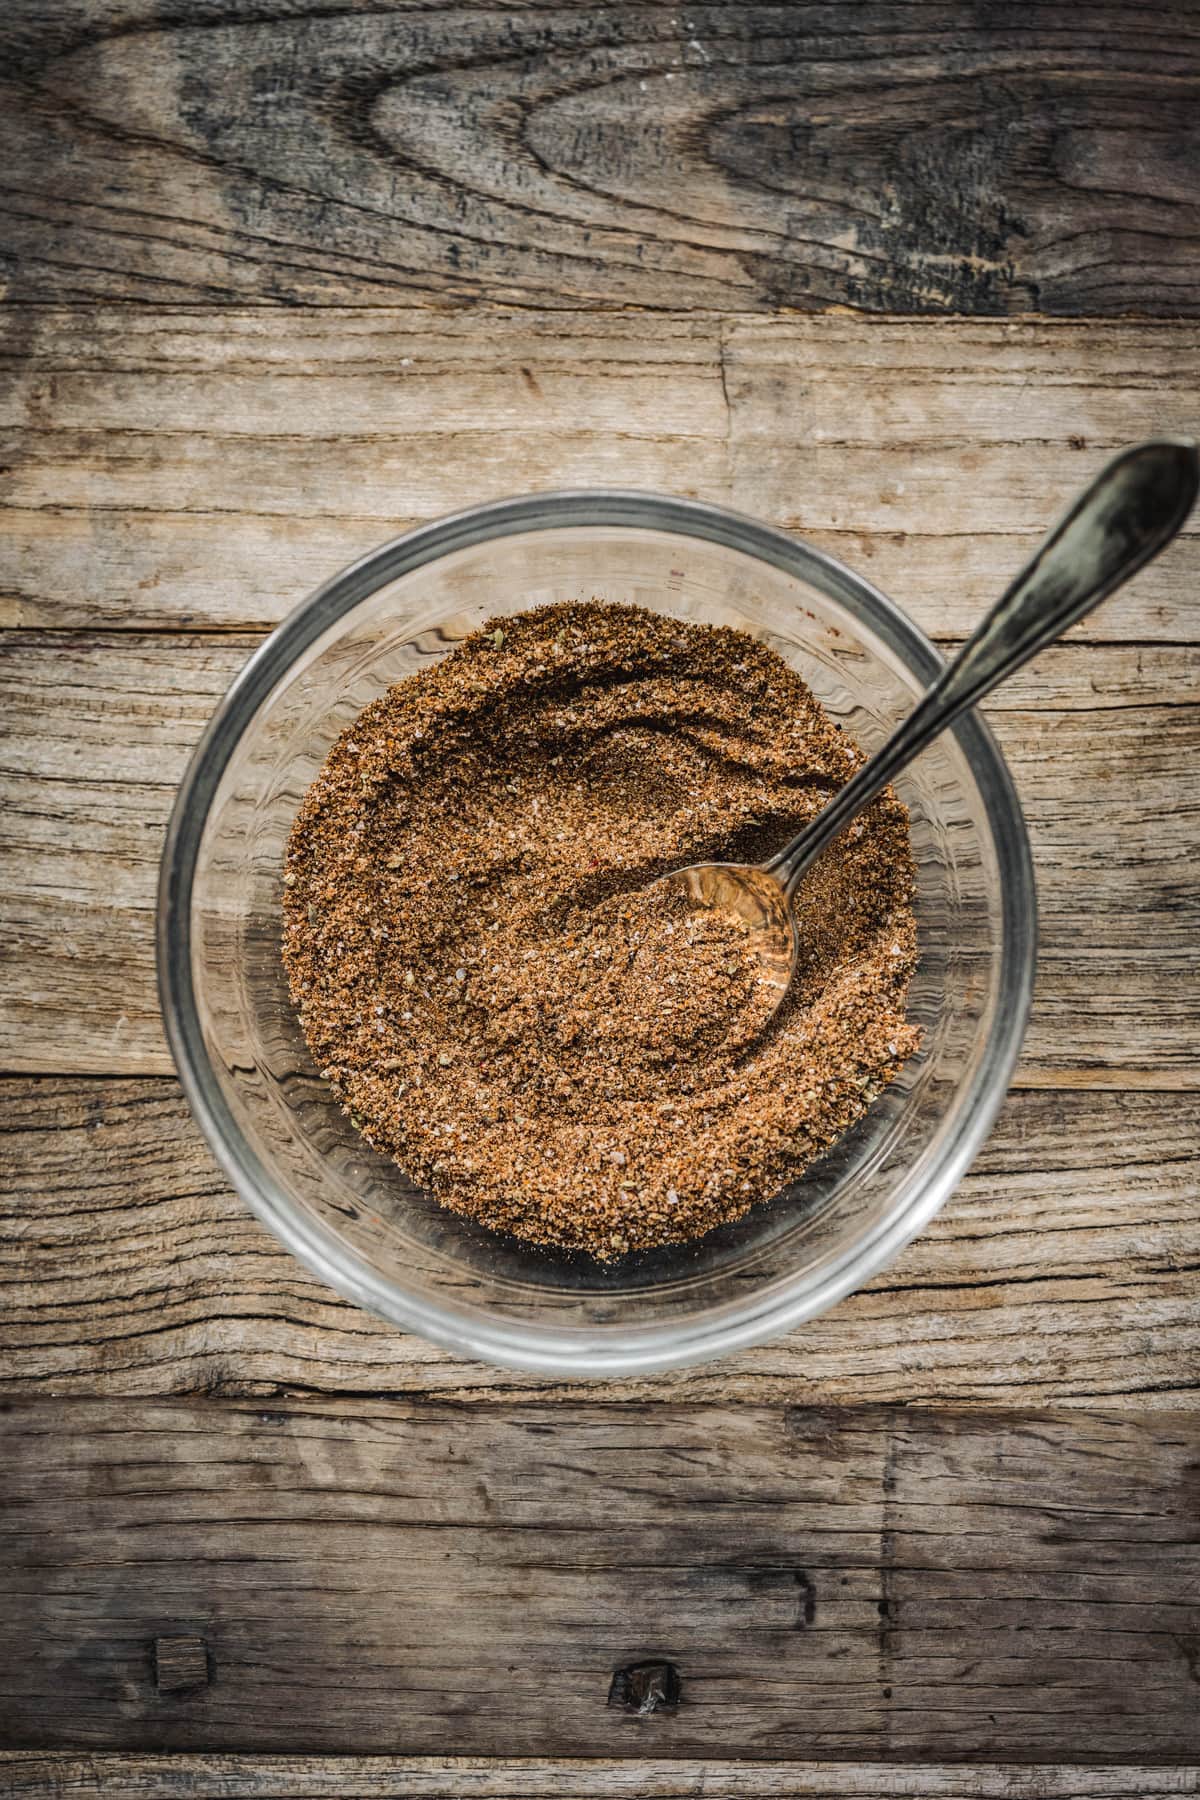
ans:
x=497 y=1001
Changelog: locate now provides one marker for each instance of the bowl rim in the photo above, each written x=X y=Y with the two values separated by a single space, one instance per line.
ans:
x=585 y=1351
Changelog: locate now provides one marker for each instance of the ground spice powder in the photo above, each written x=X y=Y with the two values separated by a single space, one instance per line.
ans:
x=497 y=1001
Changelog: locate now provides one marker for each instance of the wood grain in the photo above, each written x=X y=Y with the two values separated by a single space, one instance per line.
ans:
x=928 y=160
x=1062 y=1271
x=97 y=729
x=206 y=468
x=418 y=1579
x=111 y=1775
x=243 y=256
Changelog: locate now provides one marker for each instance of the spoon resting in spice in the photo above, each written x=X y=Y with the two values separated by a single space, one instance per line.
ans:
x=1130 y=512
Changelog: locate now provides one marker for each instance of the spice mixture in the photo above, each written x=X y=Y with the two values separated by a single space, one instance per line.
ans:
x=500 y=1002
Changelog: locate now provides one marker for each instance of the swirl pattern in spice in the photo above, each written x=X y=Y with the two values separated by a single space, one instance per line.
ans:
x=497 y=1002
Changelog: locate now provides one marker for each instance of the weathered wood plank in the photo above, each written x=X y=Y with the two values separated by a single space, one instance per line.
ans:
x=416 y=1578
x=209 y=467
x=1062 y=1271
x=112 y=1775
x=97 y=730
x=927 y=160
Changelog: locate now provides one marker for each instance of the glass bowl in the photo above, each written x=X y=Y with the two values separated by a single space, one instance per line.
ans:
x=350 y=1214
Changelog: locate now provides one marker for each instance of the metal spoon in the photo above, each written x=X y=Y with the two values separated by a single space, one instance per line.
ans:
x=1132 y=509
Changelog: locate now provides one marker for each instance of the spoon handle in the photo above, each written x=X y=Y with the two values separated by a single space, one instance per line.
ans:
x=1132 y=509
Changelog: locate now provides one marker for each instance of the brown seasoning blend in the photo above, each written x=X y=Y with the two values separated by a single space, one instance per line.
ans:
x=497 y=1002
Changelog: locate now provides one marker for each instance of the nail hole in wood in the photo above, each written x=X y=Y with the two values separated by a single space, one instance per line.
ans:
x=645 y=1687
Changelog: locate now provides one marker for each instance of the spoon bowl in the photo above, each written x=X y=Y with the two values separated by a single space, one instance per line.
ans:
x=752 y=894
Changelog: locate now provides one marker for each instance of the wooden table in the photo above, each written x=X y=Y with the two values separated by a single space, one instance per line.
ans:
x=284 y=280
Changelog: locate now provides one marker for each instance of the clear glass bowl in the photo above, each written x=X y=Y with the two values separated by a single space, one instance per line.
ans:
x=351 y=1215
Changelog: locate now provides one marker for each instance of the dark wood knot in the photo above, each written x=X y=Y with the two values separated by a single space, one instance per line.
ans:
x=645 y=1687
